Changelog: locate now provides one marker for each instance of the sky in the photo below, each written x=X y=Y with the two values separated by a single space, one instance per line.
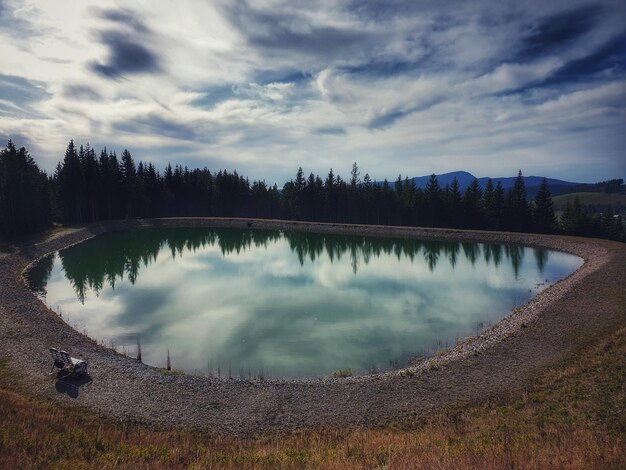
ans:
x=401 y=87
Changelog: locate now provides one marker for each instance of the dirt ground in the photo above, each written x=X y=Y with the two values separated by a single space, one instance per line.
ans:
x=506 y=357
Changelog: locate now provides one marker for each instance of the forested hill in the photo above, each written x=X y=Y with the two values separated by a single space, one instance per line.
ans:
x=88 y=187
x=532 y=183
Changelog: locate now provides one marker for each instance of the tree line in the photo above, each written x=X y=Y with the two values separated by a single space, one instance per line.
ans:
x=87 y=187
x=614 y=186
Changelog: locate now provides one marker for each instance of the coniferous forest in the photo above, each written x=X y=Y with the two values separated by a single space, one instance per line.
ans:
x=88 y=187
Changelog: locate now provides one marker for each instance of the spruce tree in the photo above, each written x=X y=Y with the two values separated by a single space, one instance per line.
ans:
x=453 y=199
x=354 y=176
x=498 y=207
x=69 y=178
x=300 y=182
x=472 y=206
x=129 y=183
x=543 y=213
x=518 y=211
x=90 y=184
x=488 y=195
x=25 y=194
x=433 y=201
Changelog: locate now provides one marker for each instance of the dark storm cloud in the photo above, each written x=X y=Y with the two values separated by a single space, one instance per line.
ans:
x=607 y=63
x=20 y=90
x=157 y=125
x=381 y=68
x=385 y=120
x=211 y=97
x=15 y=24
x=127 y=52
x=318 y=40
x=610 y=57
x=388 y=119
x=383 y=11
x=277 y=31
x=81 y=92
x=126 y=56
x=551 y=34
x=21 y=93
x=125 y=17
x=265 y=77
x=330 y=131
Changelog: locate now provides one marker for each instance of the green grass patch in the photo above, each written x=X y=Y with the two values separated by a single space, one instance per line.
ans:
x=595 y=201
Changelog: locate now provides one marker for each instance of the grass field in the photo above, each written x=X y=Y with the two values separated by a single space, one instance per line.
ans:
x=572 y=417
x=597 y=202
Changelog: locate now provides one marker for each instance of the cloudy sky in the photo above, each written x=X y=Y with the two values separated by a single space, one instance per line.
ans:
x=402 y=86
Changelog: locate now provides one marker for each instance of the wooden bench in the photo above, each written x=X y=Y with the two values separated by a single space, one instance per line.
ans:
x=63 y=361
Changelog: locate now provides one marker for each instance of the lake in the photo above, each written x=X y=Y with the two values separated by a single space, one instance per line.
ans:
x=251 y=303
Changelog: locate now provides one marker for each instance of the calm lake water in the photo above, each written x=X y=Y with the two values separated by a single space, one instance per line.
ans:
x=250 y=303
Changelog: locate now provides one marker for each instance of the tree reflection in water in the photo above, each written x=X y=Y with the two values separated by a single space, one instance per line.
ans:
x=122 y=254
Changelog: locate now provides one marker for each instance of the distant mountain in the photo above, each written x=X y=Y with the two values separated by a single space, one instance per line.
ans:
x=464 y=178
x=532 y=182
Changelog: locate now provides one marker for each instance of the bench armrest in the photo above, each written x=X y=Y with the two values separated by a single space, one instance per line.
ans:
x=75 y=361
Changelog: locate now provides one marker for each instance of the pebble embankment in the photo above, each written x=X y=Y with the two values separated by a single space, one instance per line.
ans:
x=504 y=358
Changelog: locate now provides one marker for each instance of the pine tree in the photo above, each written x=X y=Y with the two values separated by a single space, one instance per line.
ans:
x=453 y=199
x=488 y=195
x=354 y=176
x=115 y=189
x=576 y=219
x=329 y=196
x=472 y=205
x=129 y=183
x=398 y=186
x=300 y=182
x=90 y=184
x=25 y=194
x=613 y=226
x=69 y=178
x=543 y=213
x=433 y=201
x=497 y=207
x=518 y=211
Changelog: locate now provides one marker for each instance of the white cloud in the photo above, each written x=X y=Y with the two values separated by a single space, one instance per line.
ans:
x=276 y=85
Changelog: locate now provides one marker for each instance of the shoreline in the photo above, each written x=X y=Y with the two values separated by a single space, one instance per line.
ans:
x=464 y=346
x=243 y=406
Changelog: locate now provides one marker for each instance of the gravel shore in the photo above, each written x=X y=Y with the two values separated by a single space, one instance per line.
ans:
x=506 y=357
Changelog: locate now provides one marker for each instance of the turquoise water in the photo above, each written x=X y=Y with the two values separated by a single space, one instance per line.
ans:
x=268 y=303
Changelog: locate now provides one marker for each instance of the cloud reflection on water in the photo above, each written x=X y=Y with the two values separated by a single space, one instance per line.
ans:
x=290 y=304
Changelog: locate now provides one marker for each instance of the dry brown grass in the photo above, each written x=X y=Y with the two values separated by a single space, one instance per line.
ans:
x=573 y=417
